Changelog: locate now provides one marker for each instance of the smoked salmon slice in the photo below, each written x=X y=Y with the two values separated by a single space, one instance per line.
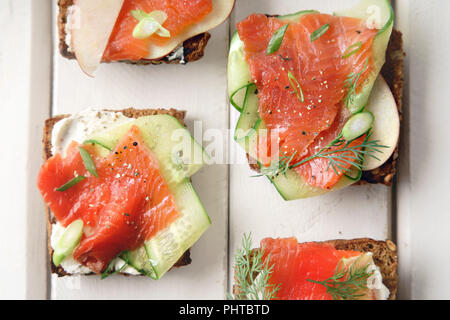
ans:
x=180 y=14
x=294 y=263
x=301 y=87
x=128 y=203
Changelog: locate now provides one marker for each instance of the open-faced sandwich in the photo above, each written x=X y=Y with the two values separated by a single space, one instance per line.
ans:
x=283 y=269
x=117 y=186
x=315 y=113
x=137 y=31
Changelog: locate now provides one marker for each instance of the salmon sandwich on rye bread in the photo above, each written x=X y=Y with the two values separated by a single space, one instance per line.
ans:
x=118 y=190
x=319 y=97
x=137 y=31
x=283 y=269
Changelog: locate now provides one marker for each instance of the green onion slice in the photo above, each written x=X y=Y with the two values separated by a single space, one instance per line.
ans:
x=354 y=48
x=357 y=125
x=276 y=40
x=319 y=32
x=87 y=161
x=70 y=183
x=150 y=23
x=296 y=86
x=92 y=141
x=356 y=177
x=68 y=241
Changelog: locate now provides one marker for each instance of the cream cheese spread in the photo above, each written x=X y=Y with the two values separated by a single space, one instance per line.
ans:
x=177 y=54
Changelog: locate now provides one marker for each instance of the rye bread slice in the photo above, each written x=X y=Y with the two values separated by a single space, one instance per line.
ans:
x=392 y=72
x=47 y=153
x=384 y=256
x=193 y=48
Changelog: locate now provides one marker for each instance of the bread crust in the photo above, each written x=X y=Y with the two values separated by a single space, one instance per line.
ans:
x=384 y=256
x=193 y=48
x=47 y=153
x=392 y=72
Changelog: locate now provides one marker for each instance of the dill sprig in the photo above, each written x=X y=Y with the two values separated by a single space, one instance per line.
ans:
x=341 y=154
x=346 y=283
x=351 y=82
x=346 y=155
x=252 y=274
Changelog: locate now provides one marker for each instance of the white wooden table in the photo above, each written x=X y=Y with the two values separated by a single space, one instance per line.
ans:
x=35 y=82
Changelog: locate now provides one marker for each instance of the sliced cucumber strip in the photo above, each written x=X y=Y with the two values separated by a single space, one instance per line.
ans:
x=138 y=259
x=68 y=241
x=166 y=247
x=170 y=141
x=357 y=125
x=294 y=16
x=292 y=186
x=237 y=80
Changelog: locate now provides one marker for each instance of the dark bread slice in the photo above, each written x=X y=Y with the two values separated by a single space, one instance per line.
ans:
x=384 y=256
x=47 y=153
x=194 y=48
x=392 y=72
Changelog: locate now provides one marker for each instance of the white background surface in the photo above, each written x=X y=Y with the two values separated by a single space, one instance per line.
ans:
x=33 y=83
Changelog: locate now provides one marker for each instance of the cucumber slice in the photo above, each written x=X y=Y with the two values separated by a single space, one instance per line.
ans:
x=237 y=81
x=357 y=125
x=68 y=241
x=170 y=141
x=165 y=248
x=179 y=156
x=138 y=259
x=292 y=186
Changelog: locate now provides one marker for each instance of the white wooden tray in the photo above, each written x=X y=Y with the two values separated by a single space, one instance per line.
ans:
x=36 y=82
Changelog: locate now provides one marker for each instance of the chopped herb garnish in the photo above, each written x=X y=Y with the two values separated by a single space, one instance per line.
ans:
x=276 y=40
x=70 y=184
x=296 y=86
x=149 y=23
x=92 y=141
x=319 y=32
x=87 y=161
x=284 y=58
x=354 y=48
